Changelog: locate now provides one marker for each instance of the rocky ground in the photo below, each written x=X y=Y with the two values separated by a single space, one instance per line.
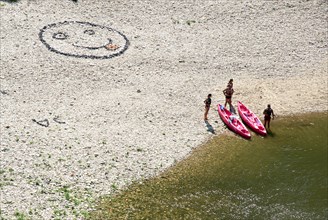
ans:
x=97 y=95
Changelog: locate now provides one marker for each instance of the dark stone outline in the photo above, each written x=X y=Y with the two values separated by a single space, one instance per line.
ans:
x=41 y=122
x=82 y=56
x=88 y=32
x=65 y=35
x=94 y=48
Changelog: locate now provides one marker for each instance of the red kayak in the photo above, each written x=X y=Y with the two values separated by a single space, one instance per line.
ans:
x=250 y=119
x=233 y=122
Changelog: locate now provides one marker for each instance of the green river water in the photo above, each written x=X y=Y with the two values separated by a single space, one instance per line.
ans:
x=281 y=176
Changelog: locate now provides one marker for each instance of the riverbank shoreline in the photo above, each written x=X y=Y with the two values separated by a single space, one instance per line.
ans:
x=83 y=116
x=235 y=178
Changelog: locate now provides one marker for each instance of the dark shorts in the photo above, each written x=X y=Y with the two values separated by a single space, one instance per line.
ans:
x=228 y=96
x=267 y=117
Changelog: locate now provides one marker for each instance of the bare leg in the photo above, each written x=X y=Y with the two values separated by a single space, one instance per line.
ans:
x=206 y=113
x=229 y=101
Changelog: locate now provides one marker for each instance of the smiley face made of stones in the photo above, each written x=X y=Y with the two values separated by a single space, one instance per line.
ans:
x=83 y=40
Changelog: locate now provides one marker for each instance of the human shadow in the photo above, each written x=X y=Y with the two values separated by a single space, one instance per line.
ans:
x=232 y=109
x=209 y=127
x=270 y=133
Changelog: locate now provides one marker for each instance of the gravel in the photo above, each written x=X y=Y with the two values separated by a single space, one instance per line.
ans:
x=78 y=124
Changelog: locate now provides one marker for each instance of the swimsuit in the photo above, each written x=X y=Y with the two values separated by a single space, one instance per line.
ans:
x=267 y=117
x=267 y=113
x=228 y=93
x=208 y=102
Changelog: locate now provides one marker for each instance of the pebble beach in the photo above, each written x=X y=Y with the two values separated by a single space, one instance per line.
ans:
x=97 y=95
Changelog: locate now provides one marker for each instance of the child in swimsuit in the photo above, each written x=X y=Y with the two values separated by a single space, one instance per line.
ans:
x=207 y=102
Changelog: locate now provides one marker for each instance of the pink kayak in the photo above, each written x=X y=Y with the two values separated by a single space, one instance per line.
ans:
x=233 y=122
x=250 y=119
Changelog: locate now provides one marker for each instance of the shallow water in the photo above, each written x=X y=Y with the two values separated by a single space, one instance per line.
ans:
x=281 y=176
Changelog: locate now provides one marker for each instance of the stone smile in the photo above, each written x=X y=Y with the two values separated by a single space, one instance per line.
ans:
x=94 y=48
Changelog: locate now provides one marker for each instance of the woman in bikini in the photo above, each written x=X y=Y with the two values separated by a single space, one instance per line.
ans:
x=228 y=95
x=230 y=83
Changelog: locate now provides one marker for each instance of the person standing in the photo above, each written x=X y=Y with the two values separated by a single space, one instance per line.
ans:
x=230 y=83
x=228 y=92
x=267 y=115
x=207 y=102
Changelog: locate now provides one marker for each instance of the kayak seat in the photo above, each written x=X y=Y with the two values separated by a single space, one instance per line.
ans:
x=247 y=114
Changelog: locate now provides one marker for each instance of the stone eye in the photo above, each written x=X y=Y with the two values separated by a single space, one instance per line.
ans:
x=60 y=36
x=89 y=32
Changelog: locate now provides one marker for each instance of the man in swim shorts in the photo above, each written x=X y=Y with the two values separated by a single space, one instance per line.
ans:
x=207 y=102
x=267 y=115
